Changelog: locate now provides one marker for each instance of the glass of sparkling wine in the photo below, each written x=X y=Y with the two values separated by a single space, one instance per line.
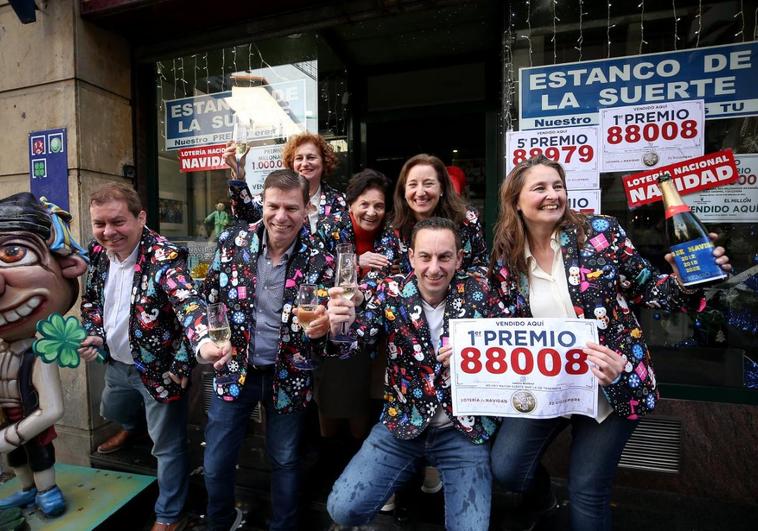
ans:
x=344 y=248
x=347 y=279
x=241 y=134
x=307 y=303
x=218 y=324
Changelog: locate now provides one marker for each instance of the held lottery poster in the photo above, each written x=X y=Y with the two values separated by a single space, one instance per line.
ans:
x=532 y=368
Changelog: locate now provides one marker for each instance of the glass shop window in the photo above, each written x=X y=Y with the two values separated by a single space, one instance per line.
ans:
x=717 y=347
x=271 y=90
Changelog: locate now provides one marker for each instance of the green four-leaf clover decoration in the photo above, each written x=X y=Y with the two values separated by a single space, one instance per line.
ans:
x=61 y=339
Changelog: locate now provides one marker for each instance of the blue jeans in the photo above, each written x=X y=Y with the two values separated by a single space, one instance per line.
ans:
x=167 y=426
x=595 y=453
x=224 y=433
x=385 y=463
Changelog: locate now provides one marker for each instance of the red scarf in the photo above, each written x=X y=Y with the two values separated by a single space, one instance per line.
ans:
x=364 y=239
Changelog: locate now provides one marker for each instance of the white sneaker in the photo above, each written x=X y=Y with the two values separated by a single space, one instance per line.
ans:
x=432 y=482
x=389 y=505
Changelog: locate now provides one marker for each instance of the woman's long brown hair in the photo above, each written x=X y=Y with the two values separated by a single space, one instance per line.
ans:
x=511 y=233
x=450 y=205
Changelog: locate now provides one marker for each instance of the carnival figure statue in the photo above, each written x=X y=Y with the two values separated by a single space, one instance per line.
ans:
x=39 y=265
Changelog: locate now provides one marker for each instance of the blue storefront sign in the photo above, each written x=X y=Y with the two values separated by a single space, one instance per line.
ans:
x=571 y=94
x=208 y=119
x=198 y=121
x=48 y=165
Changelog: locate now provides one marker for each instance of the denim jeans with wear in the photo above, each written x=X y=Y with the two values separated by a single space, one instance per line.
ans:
x=595 y=453
x=167 y=426
x=224 y=434
x=384 y=464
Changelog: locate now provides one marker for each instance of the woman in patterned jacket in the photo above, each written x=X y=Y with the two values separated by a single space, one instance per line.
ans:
x=549 y=261
x=344 y=386
x=307 y=154
x=424 y=190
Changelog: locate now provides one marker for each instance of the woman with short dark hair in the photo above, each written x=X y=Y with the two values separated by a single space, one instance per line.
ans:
x=343 y=387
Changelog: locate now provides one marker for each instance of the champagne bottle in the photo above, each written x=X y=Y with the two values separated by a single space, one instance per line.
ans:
x=688 y=239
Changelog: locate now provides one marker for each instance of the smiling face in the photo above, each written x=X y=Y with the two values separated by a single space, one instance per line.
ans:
x=283 y=216
x=116 y=228
x=435 y=260
x=422 y=190
x=31 y=285
x=542 y=200
x=368 y=209
x=309 y=163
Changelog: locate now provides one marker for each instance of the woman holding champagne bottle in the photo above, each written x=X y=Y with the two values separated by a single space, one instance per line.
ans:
x=549 y=261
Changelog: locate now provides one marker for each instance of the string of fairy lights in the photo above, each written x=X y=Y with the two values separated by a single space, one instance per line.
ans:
x=741 y=14
x=509 y=83
x=513 y=36
x=608 y=27
x=641 y=6
x=172 y=77
x=580 y=38
x=676 y=24
x=699 y=18
x=554 y=39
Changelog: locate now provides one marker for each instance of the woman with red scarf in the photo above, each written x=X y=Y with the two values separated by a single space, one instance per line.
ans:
x=343 y=386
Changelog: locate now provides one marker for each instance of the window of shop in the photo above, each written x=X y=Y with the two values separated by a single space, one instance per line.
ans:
x=280 y=86
x=710 y=355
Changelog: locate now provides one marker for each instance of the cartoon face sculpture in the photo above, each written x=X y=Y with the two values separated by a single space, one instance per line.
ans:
x=38 y=275
x=39 y=263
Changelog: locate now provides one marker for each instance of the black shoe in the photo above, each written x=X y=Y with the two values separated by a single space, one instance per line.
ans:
x=523 y=519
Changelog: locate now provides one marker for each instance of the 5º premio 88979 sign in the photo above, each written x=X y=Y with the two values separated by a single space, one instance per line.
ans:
x=522 y=367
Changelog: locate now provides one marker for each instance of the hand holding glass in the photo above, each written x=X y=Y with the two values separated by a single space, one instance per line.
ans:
x=347 y=279
x=243 y=129
x=218 y=324
x=307 y=303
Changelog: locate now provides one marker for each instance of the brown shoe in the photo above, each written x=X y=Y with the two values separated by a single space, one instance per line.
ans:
x=176 y=526
x=115 y=443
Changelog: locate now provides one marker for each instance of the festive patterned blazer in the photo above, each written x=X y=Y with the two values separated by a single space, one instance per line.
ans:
x=232 y=279
x=415 y=383
x=604 y=276
x=336 y=231
x=249 y=208
x=472 y=239
x=167 y=320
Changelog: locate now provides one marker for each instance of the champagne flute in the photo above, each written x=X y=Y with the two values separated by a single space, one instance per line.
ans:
x=344 y=248
x=218 y=324
x=347 y=279
x=243 y=128
x=307 y=303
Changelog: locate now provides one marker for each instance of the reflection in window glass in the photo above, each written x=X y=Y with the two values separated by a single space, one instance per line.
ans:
x=717 y=347
x=257 y=93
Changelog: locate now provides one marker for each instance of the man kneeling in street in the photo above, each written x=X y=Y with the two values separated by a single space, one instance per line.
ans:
x=417 y=421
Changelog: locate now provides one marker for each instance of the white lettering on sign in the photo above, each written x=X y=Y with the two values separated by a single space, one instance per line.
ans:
x=710 y=171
